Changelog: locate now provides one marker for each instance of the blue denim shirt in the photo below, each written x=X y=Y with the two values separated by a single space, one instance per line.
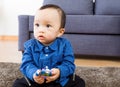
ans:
x=59 y=54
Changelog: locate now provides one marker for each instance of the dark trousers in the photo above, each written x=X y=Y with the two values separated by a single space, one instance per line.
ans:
x=77 y=82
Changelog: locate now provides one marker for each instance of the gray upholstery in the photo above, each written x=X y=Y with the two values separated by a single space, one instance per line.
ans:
x=23 y=30
x=79 y=7
x=98 y=45
x=89 y=24
x=107 y=7
x=90 y=34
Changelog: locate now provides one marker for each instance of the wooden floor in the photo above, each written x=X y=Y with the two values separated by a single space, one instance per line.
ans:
x=9 y=53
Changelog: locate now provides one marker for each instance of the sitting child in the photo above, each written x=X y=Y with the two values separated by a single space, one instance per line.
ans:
x=51 y=50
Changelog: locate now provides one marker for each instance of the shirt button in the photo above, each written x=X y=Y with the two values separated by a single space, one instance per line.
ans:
x=46 y=54
x=46 y=47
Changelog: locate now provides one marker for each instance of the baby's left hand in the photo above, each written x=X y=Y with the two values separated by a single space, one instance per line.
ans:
x=55 y=75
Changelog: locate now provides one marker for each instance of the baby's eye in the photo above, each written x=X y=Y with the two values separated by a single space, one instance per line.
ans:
x=37 y=25
x=48 y=25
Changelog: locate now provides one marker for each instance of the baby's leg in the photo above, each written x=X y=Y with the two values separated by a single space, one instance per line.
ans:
x=75 y=81
x=20 y=83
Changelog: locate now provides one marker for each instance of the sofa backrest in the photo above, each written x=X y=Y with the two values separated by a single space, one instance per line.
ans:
x=107 y=7
x=73 y=7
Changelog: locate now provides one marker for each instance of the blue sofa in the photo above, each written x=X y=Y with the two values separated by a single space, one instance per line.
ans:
x=93 y=27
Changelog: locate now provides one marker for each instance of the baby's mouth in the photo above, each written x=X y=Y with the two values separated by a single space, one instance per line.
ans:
x=41 y=37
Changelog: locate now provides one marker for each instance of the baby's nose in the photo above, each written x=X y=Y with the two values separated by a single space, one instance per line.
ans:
x=41 y=29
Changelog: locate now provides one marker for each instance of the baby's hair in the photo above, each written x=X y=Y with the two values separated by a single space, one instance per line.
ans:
x=62 y=13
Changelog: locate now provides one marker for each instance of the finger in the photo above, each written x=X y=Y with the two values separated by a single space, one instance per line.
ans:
x=49 y=79
x=40 y=80
x=53 y=71
x=36 y=77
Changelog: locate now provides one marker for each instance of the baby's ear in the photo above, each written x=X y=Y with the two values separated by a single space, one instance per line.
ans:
x=61 y=32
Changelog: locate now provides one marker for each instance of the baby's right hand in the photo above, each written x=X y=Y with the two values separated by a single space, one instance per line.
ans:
x=38 y=79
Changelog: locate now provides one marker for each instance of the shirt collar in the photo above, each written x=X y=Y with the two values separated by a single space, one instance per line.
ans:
x=52 y=46
x=39 y=46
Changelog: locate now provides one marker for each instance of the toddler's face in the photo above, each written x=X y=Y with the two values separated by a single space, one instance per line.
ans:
x=47 y=25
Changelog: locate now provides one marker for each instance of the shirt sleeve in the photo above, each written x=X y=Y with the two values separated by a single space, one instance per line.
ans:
x=67 y=67
x=28 y=67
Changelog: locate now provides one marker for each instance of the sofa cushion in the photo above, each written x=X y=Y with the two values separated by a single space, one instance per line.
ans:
x=107 y=7
x=73 y=6
x=89 y=24
x=100 y=45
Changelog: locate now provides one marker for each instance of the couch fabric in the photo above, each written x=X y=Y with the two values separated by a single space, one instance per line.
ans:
x=79 y=7
x=92 y=27
x=105 y=7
